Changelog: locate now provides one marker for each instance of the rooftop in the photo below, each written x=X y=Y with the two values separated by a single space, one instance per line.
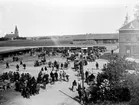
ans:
x=133 y=25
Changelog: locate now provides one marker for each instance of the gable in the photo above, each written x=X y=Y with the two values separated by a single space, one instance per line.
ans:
x=133 y=25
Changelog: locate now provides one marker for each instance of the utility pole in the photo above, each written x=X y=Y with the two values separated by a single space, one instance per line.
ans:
x=82 y=69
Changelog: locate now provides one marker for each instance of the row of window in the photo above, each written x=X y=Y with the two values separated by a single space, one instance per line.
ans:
x=129 y=37
x=135 y=49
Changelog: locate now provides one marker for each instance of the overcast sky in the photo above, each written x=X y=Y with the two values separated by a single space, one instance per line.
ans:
x=63 y=17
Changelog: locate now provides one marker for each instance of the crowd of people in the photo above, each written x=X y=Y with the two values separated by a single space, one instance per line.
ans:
x=51 y=72
x=23 y=82
x=29 y=85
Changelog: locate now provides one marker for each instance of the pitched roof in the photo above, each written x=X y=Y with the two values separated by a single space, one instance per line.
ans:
x=10 y=36
x=133 y=25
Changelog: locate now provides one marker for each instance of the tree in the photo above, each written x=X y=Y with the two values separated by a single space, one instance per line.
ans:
x=131 y=81
x=137 y=10
x=111 y=82
x=115 y=70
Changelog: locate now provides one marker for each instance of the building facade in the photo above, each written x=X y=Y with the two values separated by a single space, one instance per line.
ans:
x=129 y=39
x=107 y=38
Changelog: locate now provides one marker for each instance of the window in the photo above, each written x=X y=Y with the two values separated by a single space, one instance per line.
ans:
x=136 y=49
x=127 y=37
x=137 y=37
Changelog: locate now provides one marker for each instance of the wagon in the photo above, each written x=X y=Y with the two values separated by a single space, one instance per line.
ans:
x=37 y=63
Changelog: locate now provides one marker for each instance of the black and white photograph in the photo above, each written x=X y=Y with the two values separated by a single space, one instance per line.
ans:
x=69 y=52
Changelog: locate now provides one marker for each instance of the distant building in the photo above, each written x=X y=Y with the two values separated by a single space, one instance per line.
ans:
x=107 y=38
x=129 y=39
x=13 y=35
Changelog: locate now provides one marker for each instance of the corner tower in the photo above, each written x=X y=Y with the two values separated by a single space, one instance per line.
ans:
x=16 y=32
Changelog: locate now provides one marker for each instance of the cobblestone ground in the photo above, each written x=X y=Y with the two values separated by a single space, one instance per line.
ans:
x=56 y=94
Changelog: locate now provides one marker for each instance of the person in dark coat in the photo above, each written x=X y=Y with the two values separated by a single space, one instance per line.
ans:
x=56 y=76
x=17 y=85
x=85 y=98
x=37 y=88
x=61 y=65
x=42 y=69
x=16 y=76
x=7 y=65
x=52 y=76
x=21 y=62
x=26 y=92
x=45 y=68
x=79 y=92
x=104 y=67
x=74 y=83
x=24 y=65
x=97 y=65
x=52 y=67
x=44 y=81
x=49 y=64
x=112 y=51
x=57 y=66
x=17 y=66
x=86 y=75
x=32 y=85
x=55 y=63
x=85 y=62
x=67 y=78
x=39 y=78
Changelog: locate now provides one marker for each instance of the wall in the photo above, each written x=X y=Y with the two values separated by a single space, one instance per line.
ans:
x=129 y=42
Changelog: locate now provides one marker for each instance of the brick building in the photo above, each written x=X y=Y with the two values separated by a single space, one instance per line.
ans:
x=129 y=39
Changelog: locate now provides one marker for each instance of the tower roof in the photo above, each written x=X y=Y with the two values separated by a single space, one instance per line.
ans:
x=16 y=28
x=133 y=25
x=16 y=31
x=126 y=19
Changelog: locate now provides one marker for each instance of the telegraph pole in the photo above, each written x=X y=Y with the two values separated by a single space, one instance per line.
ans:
x=82 y=69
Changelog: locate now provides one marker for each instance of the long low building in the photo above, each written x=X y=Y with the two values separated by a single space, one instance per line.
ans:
x=106 y=38
x=10 y=51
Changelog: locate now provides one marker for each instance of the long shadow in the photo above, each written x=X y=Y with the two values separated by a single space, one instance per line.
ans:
x=75 y=98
